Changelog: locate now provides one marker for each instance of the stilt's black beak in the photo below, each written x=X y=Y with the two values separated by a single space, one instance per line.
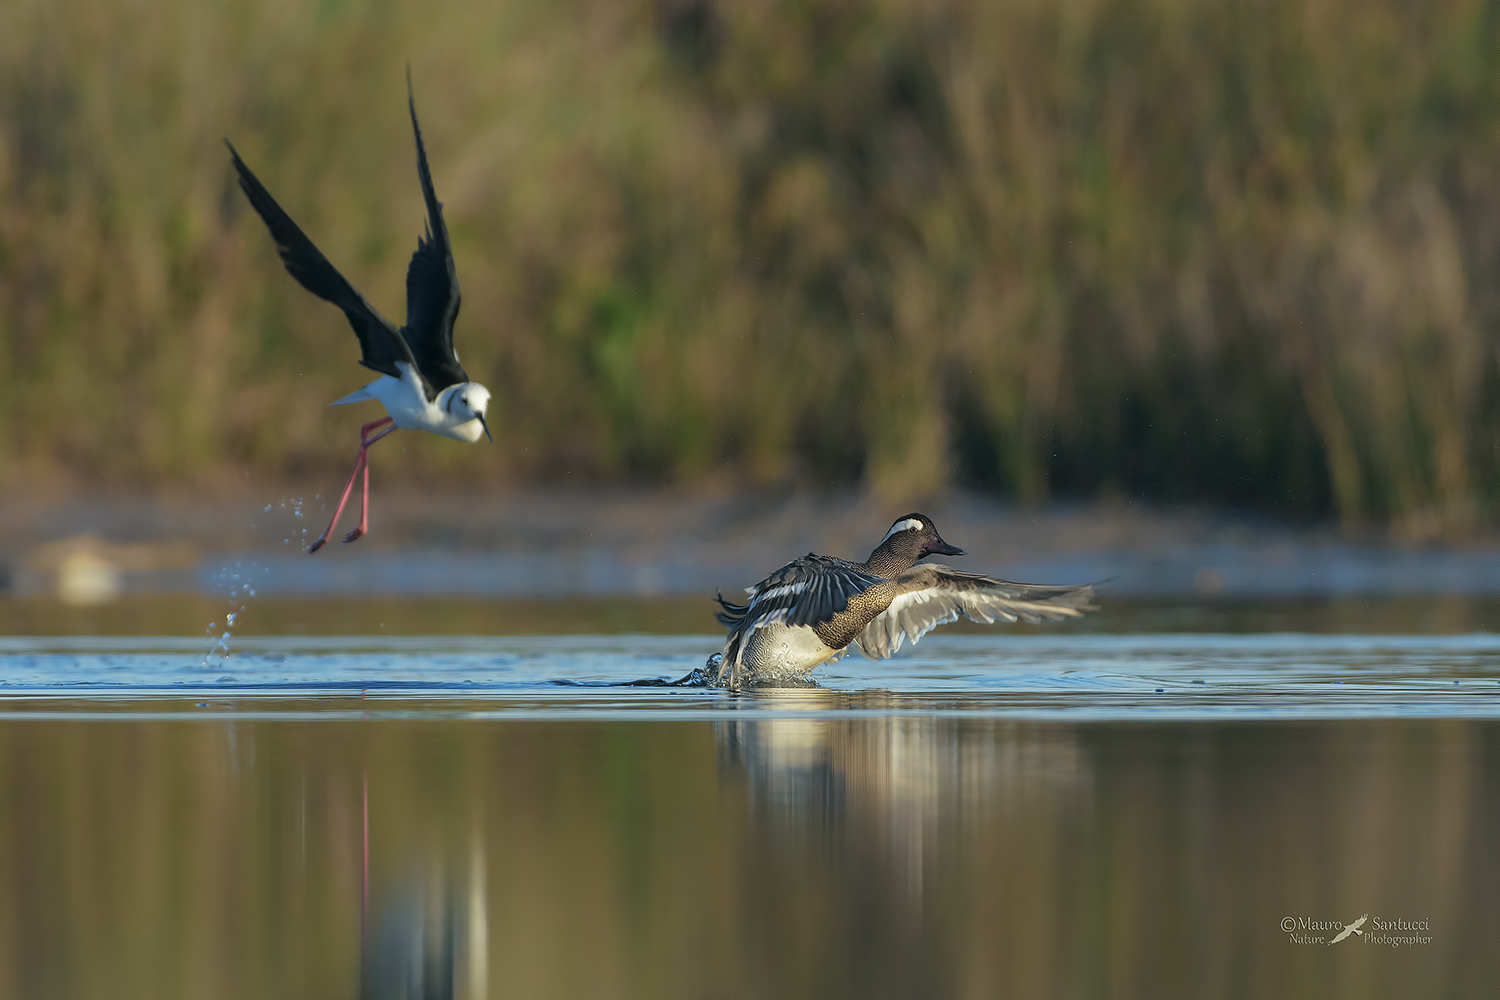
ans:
x=939 y=547
x=486 y=426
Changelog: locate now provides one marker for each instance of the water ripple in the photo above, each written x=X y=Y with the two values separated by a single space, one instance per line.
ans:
x=1078 y=676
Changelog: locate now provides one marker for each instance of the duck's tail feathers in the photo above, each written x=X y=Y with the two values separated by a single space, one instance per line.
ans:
x=732 y=614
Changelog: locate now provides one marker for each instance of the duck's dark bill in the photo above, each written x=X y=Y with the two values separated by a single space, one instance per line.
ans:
x=942 y=548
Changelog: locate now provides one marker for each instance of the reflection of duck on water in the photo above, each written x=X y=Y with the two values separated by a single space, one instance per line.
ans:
x=811 y=610
x=917 y=785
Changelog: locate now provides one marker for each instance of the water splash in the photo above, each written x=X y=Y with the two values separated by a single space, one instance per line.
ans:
x=297 y=506
x=237 y=579
x=221 y=643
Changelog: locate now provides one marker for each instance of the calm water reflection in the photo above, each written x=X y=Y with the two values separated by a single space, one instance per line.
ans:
x=854 y=854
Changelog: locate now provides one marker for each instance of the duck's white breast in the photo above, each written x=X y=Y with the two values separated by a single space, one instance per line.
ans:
x=782 y=649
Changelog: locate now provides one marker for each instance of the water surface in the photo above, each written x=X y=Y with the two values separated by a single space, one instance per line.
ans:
x=1066 y=813
x=1182 y=675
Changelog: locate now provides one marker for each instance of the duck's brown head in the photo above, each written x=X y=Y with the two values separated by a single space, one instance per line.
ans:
x=911 y=537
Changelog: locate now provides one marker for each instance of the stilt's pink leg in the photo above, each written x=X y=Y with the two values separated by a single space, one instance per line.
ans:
x=360 y=462
x=364 y=505
x=322 y=539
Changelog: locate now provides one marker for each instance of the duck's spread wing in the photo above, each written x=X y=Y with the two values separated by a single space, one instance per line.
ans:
x=380 y=343
x=807 y=591
x=931 y=595
x=432 y=297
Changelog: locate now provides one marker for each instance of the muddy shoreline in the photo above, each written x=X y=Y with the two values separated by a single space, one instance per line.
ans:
x=548 y=543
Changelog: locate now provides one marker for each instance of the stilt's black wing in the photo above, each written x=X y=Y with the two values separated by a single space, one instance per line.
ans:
x=380 y=341
x=432 y=297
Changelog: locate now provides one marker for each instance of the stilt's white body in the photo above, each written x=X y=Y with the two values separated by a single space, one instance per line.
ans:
x=450 y=415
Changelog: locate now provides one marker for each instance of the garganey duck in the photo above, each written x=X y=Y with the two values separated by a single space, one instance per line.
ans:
x=808 y=612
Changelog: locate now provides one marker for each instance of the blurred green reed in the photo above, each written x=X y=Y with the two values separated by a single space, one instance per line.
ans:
x=1227 y=252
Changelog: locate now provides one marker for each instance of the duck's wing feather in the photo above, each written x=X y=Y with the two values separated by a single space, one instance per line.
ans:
x=731 y=614
x=806 y=591
x=380 y=342
x=930 y=595
x=432 y=296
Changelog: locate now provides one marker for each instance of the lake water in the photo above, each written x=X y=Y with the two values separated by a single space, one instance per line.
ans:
x=1166 y=801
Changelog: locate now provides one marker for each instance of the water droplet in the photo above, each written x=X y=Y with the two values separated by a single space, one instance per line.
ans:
x=220 y=643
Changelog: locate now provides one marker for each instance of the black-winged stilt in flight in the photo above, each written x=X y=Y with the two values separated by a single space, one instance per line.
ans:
x=422 y=385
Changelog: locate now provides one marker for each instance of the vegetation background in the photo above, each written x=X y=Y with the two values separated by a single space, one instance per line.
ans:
x=1218 y=251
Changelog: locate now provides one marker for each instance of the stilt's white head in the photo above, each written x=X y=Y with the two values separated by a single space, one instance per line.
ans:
x=468 y=403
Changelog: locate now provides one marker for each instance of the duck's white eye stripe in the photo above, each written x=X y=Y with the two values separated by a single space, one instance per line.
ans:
x=910 y=524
